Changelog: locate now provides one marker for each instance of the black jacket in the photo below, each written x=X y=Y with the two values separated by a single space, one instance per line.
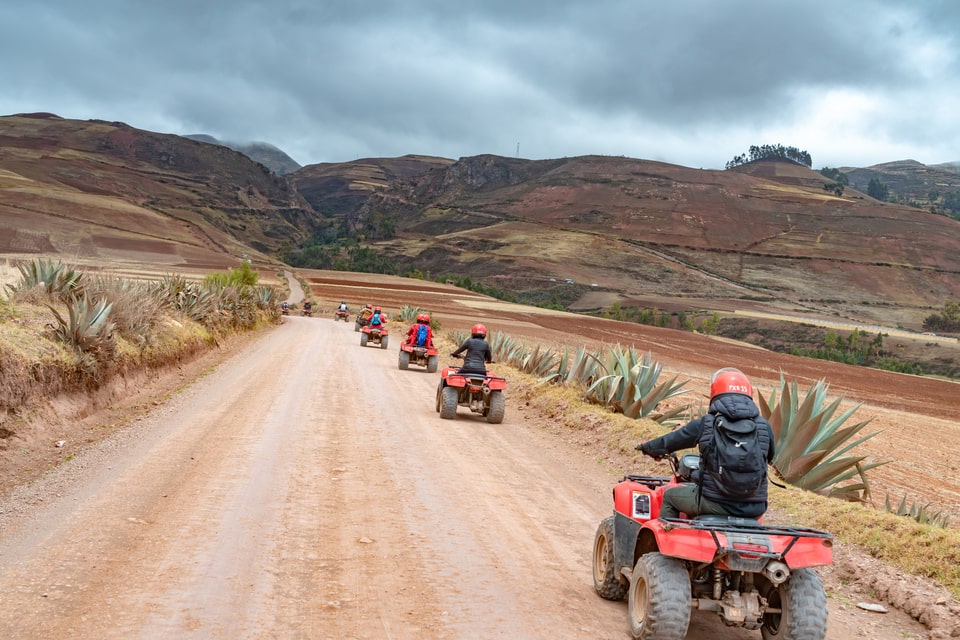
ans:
x=477 y=356
x=733 y=406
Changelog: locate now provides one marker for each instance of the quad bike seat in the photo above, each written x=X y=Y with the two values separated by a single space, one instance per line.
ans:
x=732 y=520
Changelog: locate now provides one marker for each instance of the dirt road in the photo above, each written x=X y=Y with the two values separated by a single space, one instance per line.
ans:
x=306 y=488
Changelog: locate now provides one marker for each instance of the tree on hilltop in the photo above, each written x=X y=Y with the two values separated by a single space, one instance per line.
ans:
x=836 y=175
x=775 y=151
x=878 y=190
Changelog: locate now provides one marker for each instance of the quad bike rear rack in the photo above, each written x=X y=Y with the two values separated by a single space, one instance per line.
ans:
x=747 y=543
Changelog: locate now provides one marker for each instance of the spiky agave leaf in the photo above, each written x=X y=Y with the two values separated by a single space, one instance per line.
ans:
x=811 y=440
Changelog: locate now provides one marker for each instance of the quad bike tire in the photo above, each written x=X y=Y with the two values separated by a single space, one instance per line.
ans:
x=383 y=341
x=363 y=339
x=609 y=583
x=439 y=391
x=659 y=598
x=448 y=403
x=404 y=361
x=432 y=363
x=803 y=604
x=498 y=407
x=356 y=326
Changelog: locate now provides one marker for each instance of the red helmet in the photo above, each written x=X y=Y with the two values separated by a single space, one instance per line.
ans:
x=730 y=380
x=369 y=305
x=376 y=308
x=479 y=330
x=423 y=318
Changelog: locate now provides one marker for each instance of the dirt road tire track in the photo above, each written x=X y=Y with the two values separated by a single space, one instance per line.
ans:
x=308 y=489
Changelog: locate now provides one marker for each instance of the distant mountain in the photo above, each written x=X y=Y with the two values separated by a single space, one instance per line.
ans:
x=950 y=166
x=106 y=191
x=264 y=153
x=341 y=188
x=669 y=236
x=764 y=236
x=909 y=181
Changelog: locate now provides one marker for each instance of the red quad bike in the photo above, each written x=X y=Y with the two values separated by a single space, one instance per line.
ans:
x=374 y=335
x=483 y=394
x=422 y=356
x=752 y=575
x=341 y=315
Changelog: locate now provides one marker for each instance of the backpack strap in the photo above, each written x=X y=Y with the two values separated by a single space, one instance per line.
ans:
x=707 y=427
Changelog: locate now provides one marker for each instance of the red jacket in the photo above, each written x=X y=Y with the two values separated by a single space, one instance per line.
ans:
x=412 y=335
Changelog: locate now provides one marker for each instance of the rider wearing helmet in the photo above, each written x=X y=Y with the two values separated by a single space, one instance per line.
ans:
x=478 y=352
x=731 y=401
x=342 y=306
x=423 y=320
x=377 y=319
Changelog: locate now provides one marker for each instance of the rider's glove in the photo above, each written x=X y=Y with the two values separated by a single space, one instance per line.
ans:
x=647 y=450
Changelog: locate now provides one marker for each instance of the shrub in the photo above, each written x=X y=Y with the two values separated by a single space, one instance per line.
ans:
x=135 y=306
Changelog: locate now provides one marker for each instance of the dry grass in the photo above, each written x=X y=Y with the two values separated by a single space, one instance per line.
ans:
x=9 y=274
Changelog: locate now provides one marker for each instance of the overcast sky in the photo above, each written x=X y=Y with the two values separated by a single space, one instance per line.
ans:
x=692 y=82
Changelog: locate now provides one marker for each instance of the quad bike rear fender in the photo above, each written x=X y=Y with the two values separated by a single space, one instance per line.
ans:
x=451 y=378
x=496 y=384
x=410 y=348
x=741 y=544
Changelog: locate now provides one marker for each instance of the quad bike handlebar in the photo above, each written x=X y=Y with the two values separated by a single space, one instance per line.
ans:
x=685 y=468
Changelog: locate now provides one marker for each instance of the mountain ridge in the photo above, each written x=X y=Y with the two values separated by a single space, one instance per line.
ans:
x=646 y=233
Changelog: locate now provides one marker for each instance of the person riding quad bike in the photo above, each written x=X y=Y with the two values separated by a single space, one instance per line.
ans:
x=733 y=478
x=420 y=334
x=478 y=353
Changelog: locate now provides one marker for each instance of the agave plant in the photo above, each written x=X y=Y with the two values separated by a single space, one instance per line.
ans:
x=53 y=277
x=408 y=313
x=264 y=297
x=538 y=361
x=921 y=514
x=87 y=329
x=620 y=379
x=812 y=443
x=630 y=385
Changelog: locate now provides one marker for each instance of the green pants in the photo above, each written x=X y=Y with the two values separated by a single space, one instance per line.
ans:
x=686 y=499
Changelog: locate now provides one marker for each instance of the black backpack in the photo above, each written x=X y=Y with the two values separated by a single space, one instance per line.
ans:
x=734 y=454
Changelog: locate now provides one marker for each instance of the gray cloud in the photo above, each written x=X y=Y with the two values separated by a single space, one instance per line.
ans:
x=691 y=81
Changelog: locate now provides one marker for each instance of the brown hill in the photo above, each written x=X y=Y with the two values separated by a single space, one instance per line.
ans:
x=340 y=188
x=674 y=236
x=908 y=180
x=93 y=190
x=266 y=154
x=763 y=236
